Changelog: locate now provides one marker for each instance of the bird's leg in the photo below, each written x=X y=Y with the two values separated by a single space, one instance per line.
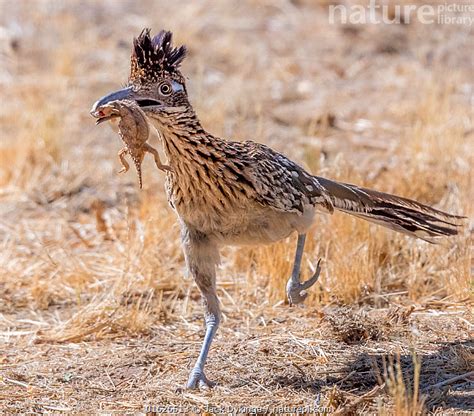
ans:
x=295 y=290
x=197 y=378
x=156 y=156
x=201 y=258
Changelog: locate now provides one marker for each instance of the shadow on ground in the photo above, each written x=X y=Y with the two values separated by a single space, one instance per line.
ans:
x=440 y=375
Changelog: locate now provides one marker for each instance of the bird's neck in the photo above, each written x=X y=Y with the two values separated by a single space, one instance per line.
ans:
x=184 y=140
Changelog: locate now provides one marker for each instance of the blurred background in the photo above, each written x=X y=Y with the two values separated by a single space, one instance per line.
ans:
x=88 y=260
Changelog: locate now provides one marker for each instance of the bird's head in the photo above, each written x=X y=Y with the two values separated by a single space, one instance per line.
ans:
x=155 y=81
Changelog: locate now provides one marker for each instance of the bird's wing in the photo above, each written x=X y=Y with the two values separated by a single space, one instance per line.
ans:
x=280 y=182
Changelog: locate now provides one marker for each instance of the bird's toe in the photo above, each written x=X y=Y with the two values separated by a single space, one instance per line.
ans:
x=296 y=294
x=198 y=380
x=297 y=291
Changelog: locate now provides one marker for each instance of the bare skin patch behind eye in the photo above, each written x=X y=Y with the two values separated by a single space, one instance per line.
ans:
x=176 y=86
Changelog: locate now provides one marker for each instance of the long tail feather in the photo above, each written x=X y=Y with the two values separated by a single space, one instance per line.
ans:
x=394 y=212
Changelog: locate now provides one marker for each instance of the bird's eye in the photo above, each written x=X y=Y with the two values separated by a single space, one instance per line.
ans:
x=165 y=88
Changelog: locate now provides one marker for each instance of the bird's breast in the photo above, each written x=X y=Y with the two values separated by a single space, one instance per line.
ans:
x=205 y=198
x=220 y=209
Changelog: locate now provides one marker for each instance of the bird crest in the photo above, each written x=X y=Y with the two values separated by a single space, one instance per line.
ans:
x=155 y=57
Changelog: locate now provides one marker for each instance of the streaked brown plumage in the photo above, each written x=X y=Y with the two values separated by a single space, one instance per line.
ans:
x=228 y=192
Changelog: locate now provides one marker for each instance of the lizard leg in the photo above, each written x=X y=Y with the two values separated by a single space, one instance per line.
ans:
x=156 y=155
x=124 y=163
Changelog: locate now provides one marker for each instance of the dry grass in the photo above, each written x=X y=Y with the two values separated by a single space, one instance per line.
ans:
x=95 y=315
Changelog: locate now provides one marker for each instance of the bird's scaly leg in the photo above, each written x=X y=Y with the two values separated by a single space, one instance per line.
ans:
x=202 y=256
x=295 y=290
x=156 y=155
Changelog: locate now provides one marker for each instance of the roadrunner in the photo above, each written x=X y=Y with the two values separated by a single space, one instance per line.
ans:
x=228 y=192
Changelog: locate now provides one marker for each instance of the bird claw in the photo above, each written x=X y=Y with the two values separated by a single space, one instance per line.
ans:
x=198 y=380
x=297 y=291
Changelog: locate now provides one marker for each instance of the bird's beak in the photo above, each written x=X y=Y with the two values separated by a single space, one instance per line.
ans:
x=123 y=94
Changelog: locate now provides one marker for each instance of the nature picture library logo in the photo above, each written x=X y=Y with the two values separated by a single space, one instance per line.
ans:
x=377 y=12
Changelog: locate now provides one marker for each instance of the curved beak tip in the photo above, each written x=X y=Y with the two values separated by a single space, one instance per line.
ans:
x=93 y=110
x=117 y=95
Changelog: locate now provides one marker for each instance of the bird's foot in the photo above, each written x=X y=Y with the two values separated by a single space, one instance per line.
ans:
x=297 y=291
x=197 y=379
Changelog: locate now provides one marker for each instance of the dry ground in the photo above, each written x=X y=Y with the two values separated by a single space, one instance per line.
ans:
x=95 y=316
